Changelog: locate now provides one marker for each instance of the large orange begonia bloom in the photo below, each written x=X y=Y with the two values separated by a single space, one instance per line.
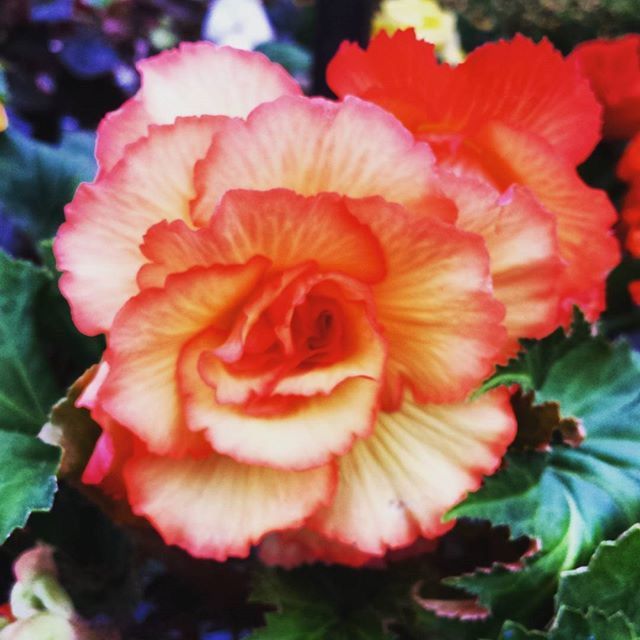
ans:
x=297 y=303
x=512 y=113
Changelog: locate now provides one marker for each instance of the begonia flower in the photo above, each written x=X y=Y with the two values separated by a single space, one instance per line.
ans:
x=295 y=320
x=513 y=113
x=613 y=69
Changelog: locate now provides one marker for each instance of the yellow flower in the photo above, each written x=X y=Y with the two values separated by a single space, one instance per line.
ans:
x=431 y=23
x=4 y=121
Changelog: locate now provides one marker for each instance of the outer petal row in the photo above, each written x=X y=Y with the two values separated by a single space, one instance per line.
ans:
x=216 y=507
x=194 y=80
x=420 y=460
x=392 y=488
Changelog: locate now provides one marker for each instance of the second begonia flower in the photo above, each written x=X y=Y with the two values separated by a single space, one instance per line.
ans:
x=513 y=113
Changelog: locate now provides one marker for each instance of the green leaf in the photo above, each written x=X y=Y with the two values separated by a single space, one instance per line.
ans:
x=37 y=180
x=320 y=603
x=570 y=498
x=594 y=625
x=531 y=367
x=27 y=479
x=571 y=624
x=27 y=384
x=611 y=580
x=27 y=389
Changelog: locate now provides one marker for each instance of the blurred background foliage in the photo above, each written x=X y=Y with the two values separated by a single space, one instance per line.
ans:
x=564 y=22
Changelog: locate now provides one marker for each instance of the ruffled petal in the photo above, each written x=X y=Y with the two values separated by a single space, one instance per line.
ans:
x=112 y=450
x=440 y=319
x=216 y=507
x=98 y=247
x=193 y=80
x=288 y=228
x=523 y=84
x=117 y=130
x=140 y=390
x=281 y=436
x=114 y=446
x=584 y=215
x=315 y=146
x=419 y=462
x=522 y=242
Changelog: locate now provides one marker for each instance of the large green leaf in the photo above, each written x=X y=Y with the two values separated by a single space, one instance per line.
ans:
x=27 y=479
x=569 y=499
x=27 y=383
x=37 y=180
x=611 y=581
x=597 y=602
x=27 y=389
x=571 y=624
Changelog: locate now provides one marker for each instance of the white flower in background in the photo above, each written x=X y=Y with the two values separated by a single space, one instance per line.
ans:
x=238 y=23
x=430 y=21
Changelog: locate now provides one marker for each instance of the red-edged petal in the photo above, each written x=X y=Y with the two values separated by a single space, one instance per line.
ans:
x=420 y=461
x=113 y=449
x=299 y=432
x=193 y=80
x=584 y=215
x=440 y=319
x=114 y=446
x=216 y=507
x=117 y=130
x=289 y=549
x=141 y=390
x=522 y=242
x=315 y=146
x=520 y=83
x=98 y=247
x=288 y=228
x=613 y=69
